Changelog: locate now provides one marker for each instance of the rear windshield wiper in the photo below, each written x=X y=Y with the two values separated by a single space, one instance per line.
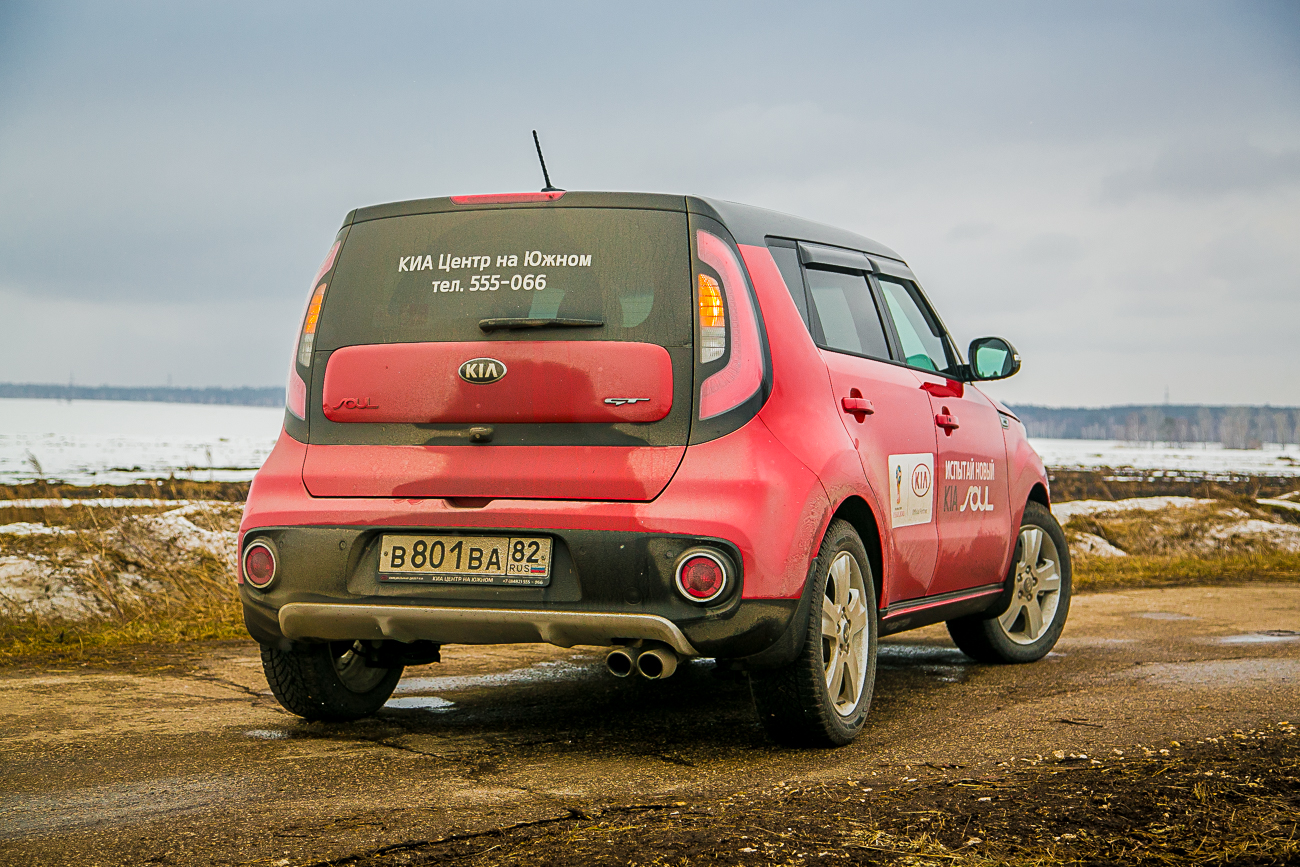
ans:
x=516 y=323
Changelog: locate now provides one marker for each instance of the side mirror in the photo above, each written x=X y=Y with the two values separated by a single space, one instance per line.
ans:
x=992 y=358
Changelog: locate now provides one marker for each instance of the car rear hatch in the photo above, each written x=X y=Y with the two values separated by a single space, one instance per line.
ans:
x=484 y=347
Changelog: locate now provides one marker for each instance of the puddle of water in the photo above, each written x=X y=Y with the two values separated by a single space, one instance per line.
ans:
x=913 y=653
x=945 y=664
x=266 y=734
x=549 y=671
x=1219 y=672
x=1163 y=615
x=1270 y=637
x=420 y=702
x=30 y=815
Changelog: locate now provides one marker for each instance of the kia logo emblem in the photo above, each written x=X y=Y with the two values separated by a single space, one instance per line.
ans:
x=921 y=480
x=481 y=371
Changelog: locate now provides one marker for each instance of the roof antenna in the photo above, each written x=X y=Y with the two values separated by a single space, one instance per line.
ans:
x=545 y=175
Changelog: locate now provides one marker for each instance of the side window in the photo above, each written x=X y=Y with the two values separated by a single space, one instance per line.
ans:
x=920 y=337
x=787 y=262
x=843 y=306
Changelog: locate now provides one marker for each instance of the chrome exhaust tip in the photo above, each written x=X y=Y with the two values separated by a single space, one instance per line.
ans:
x=657 y=663
x=619 y=662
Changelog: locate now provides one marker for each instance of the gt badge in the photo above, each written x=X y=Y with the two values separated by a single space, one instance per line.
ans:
x=619 y=401
x=481 y=371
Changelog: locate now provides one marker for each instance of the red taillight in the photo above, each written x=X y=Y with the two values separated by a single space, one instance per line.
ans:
x=259 y=565
x=506 y=198
x=743 y=374
x=329 y=261
x=701 y=577
x=295 y=394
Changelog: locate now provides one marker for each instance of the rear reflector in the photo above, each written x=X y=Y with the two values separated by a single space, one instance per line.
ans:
x=295 y=394
x=506 y=198
x=701 y=577
x=743 y=374
x=259 y=565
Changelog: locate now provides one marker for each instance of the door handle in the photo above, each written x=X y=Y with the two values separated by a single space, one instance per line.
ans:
x=858 y=407
x=946 y=421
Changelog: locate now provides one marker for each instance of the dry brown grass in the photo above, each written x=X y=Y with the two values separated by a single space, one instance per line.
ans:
x=137 y=575
x=1186 y=546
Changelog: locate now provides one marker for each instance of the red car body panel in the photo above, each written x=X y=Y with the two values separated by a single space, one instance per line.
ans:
x=551 y=381
x=972 y=508
x=745 y=487
x=540 y=472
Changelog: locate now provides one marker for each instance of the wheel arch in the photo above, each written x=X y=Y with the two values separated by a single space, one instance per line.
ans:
x=1038 y=494
x=858 y=513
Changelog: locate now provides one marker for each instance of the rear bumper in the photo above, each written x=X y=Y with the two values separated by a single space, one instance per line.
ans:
x=407 y=623
x=614 y=563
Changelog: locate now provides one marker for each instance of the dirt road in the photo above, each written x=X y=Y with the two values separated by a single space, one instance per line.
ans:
x=199 y=765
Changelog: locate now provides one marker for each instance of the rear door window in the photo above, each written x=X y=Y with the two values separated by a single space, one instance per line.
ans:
x=919 y=335
x=846 y=312
x=439 y=277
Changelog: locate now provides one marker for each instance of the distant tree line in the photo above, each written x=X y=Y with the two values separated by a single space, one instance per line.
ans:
x=1236 y=427
x=272 y=396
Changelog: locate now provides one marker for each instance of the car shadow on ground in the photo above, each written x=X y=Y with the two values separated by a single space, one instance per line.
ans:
x=698 y=714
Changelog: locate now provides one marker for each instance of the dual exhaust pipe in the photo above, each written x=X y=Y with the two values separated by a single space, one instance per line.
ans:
x=654 y=661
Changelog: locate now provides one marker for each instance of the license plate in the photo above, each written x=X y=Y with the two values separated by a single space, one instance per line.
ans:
x=514 y=560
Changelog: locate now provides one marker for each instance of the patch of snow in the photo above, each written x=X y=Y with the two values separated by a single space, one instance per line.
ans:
x=1096 y=546
x=30 y=587
x=97 y=503
x=1285 y=537
x=175 y=528
x=1279 y=502
x=26 y=528
x=1073 y=508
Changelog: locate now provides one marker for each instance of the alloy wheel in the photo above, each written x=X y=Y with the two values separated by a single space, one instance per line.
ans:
x=1037 y=588
x=844 y=633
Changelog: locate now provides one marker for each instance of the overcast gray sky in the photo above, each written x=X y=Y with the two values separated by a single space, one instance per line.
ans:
x=1115 y=187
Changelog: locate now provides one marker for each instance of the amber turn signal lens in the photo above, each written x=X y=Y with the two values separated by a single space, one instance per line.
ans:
x=711 y=315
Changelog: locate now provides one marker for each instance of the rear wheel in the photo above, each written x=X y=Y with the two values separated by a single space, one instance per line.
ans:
x=1028 y=628
x=822 y=698
x=331 y=682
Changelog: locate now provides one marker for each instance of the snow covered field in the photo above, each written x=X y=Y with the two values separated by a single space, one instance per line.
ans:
x=118 y=442
x=1197 y=457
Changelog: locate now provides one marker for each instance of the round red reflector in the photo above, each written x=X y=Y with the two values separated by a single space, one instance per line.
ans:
x=259 y=565
x=701 y=578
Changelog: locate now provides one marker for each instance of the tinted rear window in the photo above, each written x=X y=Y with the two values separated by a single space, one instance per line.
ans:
x=434 y=277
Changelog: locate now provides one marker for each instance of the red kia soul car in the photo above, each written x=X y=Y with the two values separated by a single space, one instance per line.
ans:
x=670 y=426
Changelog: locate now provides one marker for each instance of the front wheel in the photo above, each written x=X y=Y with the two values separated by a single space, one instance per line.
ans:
x=331 y=682
x=822 y=698
x=1040 y=598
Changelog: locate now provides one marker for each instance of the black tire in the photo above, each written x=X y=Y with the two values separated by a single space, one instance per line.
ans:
x=795 y=703
x=1009 y=636
x=329 y=682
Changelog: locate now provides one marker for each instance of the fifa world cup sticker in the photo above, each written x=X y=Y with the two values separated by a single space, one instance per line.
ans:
x=913 y=483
